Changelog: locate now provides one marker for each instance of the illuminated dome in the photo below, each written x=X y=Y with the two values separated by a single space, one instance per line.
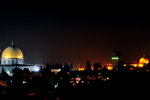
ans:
x=12 y=52
x=144 y=61
x=12 y=56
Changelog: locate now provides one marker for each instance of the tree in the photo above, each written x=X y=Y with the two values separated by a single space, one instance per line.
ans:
x=71 y=66
x=26 y=74
x=66 y=67
x=17 y=77
x=88 y=66
x=4 y=75
x=97 y=66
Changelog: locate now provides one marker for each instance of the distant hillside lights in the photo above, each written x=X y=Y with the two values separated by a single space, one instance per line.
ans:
x=109 y=67
x=81 y=69
x=142 y=62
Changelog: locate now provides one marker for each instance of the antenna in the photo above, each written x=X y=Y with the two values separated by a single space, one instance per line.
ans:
x=12 y=43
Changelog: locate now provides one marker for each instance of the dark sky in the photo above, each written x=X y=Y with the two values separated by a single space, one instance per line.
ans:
x=75 y=33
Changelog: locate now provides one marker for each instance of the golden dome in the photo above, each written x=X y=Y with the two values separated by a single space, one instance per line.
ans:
x=144 y=61
x=12 y=52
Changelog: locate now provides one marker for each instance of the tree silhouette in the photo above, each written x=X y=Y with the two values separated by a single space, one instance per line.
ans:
x=66 y=67
x=26 y=74
x=17 y=77
x=5 y=76
x=97 y=66
x=88 y=66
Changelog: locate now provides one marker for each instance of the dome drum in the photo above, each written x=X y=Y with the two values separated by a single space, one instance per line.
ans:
x=10 y=61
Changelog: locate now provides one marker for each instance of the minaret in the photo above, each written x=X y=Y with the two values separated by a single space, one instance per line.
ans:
x=115 y=59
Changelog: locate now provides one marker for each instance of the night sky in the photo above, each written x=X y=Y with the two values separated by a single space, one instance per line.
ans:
x=75 y=33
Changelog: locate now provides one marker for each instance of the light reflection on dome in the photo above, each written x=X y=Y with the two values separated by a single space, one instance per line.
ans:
x=12 y=52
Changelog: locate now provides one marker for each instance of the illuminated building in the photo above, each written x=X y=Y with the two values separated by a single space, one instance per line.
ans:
x=12 y=57
x=55 y=70
x=115 y=60
x=81 y=69
x=109 y=67
x=141 y=63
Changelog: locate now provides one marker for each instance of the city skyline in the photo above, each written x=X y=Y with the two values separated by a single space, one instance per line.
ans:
x=58 y=34
x=73 y=50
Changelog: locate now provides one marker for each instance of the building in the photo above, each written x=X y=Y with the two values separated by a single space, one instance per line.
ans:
x=12 y=57
x=140 y=63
